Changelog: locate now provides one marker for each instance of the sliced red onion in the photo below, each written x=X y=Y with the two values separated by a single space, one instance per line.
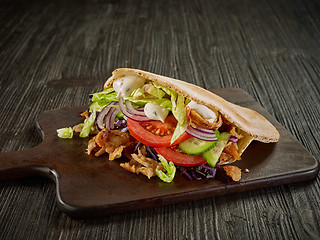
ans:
x=201 y=135
x=110 y=117
x=205 y=130
x=131 y=115
x=131 y=109
x=101 y=116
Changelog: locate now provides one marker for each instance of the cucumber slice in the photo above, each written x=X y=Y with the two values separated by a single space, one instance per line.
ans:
x=212 y=156
x=195 y=146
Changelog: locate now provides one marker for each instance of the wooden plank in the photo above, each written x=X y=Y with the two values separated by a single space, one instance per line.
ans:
x=268 y=48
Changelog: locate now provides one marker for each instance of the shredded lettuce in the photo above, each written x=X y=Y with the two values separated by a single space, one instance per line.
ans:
x=163 y=102
x=158 y=93
x=87 y=125
x=65 y=132
x=179 y=112
x=165 y=89
x=170 y=170
x=138 y=93
x=106 y=95
x=101 y=99
x=95 y=106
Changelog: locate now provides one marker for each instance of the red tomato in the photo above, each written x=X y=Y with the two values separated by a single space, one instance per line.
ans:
x=155 y=133
x=179 y=158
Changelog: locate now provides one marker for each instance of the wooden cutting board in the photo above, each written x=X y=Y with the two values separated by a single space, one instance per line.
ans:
x=90 y=186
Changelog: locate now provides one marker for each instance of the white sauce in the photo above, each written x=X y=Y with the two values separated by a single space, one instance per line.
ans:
x=155 y=112
x=204 y=111
x=126 y=85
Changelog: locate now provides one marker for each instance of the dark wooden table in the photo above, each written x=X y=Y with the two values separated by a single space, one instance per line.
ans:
x=54 y=53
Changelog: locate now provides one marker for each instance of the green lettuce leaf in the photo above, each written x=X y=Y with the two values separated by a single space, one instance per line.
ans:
x=165 y=89
x=87 y=125
x=154 y=91
x=101 y=99
x=163 y=102
x=95 y=106
x=170 y=170
x=179 y=112
x=138 y=93
x=65 y=132
x=105 y=95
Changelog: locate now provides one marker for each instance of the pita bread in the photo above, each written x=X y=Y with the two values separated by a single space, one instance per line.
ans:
x=250 y=123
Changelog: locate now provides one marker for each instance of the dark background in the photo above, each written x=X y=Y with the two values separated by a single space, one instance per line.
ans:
x=54 y=53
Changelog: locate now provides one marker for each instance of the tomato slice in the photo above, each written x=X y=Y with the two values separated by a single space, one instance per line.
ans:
x=155 y=133
x=180 y=159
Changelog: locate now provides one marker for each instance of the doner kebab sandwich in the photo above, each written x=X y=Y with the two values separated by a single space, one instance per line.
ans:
x=163 y=125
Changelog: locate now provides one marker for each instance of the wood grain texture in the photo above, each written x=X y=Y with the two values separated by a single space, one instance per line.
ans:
x=271 y=49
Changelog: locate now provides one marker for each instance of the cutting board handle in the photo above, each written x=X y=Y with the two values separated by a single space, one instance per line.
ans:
x=22 y=164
